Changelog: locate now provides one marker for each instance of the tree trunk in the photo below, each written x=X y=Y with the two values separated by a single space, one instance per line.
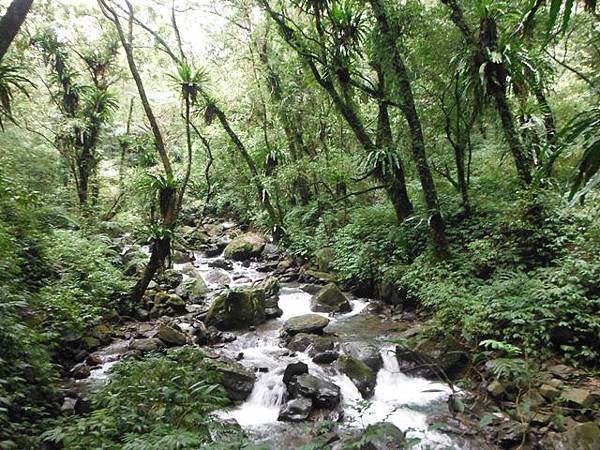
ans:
x=11 y=22
x=347 y=111
x=396 y=191
x=404 y=90
x=167 y=196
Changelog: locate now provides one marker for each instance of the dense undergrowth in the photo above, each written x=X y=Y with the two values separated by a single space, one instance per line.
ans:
x=159 y=402
x=526 y=275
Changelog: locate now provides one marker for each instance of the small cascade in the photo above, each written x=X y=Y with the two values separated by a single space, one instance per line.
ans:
x=262 y=407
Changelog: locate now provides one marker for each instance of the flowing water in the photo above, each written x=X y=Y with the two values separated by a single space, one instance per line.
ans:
x=403 y=400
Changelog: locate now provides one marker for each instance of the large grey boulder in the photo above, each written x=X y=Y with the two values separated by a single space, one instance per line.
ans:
x=433 y=359
x=311 y=343
x=246 y=246
x=331 y=300
x=294 y=370
x=307 y=323
x=171 y=336
x=237 y=381
x=323 y=393
x=146 y=344
x=193 y=288
x=585 y=436
x=367 y=353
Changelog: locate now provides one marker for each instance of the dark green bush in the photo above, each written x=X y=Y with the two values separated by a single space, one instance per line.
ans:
x=160 y=402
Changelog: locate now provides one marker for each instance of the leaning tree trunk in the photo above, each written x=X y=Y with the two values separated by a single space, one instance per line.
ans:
x=11 y=22
x=161 y=245
x=168 y=196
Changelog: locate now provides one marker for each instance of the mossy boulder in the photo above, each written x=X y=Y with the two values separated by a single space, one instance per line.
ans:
x=360 y=374
x=330 y=299
x=434 y=358
x=193 y=288
x=237 y=309
x=378 y=436
x=585 y=436
x=244 y=247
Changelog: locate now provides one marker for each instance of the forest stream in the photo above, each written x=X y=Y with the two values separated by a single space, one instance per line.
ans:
x=410 y=403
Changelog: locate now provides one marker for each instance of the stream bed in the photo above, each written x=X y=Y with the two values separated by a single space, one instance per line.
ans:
x=405 y=401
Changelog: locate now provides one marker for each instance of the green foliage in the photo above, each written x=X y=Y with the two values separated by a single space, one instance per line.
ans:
x=532 y=293
x=158 y=402
x=11 y=80
x=86 y=284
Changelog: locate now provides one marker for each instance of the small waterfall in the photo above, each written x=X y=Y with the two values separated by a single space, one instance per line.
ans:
x=294 y=302
x=263 y=405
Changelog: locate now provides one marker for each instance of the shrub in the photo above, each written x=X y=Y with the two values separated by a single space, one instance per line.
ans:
x=160 y=402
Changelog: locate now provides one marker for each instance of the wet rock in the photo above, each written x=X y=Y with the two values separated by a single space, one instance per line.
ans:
x=359 y=373
x=433 y=359
x=244 y=247
x=326 y=357
x=221 y=264
x=80 y=371
x=367 y=353
x=237 y=309
x=311 y=343
x=267 y=267
x=293 y=370
x=585 y=436
x=93 y=360
x=194 y=238
x=581 y=398
x=211 y=250
x=235 y=378
x=200 y=333
x=307 y=323
x=270 y=286
x=146 y=344
x=68 y=406
x=323 y=393
x=330 y=299
x=311 y=289
x=324 y=277
x=271 y=252
x=296 y=410
x=285 y=265
x=171 y=336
